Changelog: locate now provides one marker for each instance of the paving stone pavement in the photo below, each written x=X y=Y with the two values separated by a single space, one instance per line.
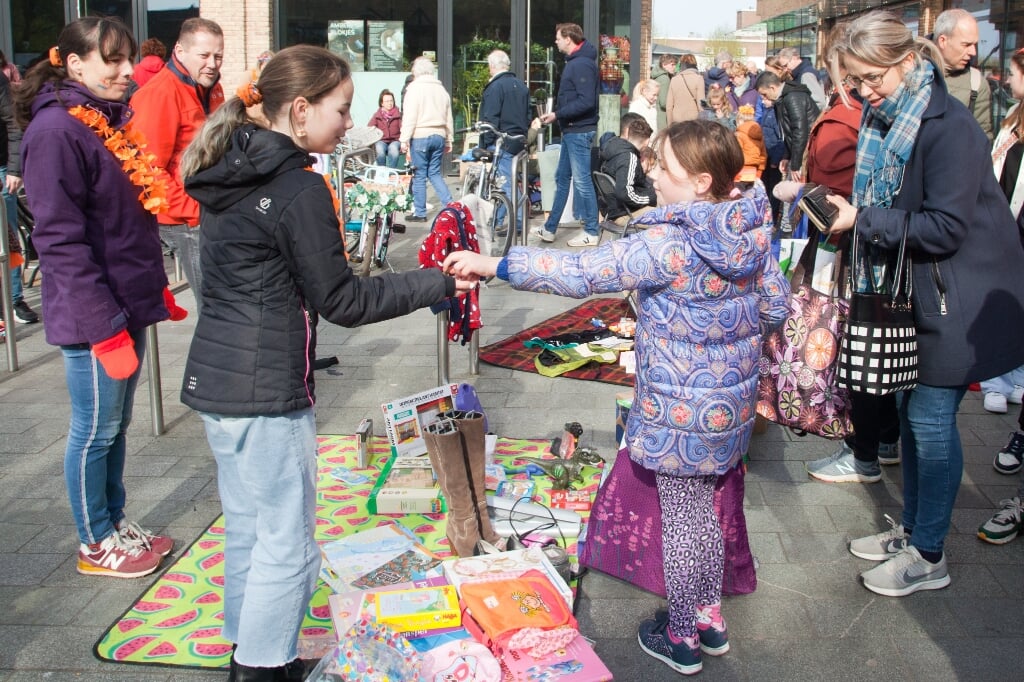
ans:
x=809 y=619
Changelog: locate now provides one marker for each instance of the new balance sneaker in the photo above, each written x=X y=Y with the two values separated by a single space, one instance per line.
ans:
x=116 y=558
x=1005 y=525
x=544 y=235
x=711 y=630
x=682 y=654
x=1016 y=396
x=1009 y=460
x=906 y=573
x=995 y=402
x=584 y=239
x=888 y=453
x=881 y=546
x=842 y=467
x=134 y=534
x=24 y=314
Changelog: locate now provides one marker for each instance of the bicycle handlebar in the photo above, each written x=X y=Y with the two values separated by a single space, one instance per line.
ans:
x=485 y=127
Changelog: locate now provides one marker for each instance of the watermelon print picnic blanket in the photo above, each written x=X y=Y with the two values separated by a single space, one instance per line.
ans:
x=177 y=621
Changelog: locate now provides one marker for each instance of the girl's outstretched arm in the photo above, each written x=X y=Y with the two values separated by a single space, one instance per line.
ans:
x=470 y=265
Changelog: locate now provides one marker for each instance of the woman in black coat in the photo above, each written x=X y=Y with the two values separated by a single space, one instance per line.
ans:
x=923 y=164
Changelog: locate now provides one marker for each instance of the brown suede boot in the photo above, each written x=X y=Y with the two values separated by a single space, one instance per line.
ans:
x=471 y=426
x=448 y=458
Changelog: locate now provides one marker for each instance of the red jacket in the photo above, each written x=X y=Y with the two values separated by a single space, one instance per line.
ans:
x=169 y=111
x=832 y=146
x=146 y=69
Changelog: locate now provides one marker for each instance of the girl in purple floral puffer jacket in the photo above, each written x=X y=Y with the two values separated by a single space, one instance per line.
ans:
x=707 y=287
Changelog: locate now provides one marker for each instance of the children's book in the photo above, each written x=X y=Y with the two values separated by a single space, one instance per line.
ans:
x=419 y=608
x=406 y=485
x=576 y=662
x=406 y=418
x=385 y=555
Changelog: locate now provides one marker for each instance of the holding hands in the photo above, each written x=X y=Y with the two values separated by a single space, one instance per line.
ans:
x=467 y=265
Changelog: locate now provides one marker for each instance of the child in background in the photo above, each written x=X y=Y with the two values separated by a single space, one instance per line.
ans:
x=719 y=109
x=751 y=139
x=620 y=158
x=645 y=101
x=707 y=288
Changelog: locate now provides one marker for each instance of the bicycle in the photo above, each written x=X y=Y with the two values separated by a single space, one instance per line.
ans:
x=493 y=231
x=368 y=246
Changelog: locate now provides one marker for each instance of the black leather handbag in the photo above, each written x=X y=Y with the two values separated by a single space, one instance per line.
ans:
x=878 y=354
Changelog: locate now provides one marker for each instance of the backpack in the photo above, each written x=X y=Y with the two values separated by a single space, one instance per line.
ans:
x=454 y=230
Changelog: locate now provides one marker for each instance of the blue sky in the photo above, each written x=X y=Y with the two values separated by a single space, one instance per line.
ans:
x=677 y=19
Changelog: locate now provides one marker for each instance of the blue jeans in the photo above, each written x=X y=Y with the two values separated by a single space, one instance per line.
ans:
x=101 y=410
x=11 y=204
x=574 y=165
x=504 y=165
x=184 y=241
x=266 y=476
x=933 y=462
x=388 y=153
x=427 y=153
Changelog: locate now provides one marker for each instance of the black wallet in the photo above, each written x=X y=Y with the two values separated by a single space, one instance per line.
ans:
x=817 y=208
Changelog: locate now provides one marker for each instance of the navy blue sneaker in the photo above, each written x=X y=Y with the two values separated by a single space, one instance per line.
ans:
x=682 y=655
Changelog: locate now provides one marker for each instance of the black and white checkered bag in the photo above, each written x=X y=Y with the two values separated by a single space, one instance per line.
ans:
x=878 y=354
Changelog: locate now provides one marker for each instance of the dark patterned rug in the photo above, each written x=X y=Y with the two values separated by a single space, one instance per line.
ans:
x=511 y=352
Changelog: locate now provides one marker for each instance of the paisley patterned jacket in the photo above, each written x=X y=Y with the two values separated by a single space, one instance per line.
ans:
x=707 y=288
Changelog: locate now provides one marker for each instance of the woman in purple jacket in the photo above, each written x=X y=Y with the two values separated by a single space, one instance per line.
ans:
x=94 y=197
x=388 y=119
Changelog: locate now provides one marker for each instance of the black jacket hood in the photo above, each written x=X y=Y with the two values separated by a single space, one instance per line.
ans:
x=253 y=156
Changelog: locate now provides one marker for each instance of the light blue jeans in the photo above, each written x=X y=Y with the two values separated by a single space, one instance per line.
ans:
x=101 y=410
x=388 y=153
x=933 y=462
x=574 y=165
x=1004 y=384
x=266 y=476
x=184 y=241
x=427 y=153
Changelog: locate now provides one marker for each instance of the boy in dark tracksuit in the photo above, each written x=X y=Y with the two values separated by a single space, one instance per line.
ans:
x=620 y=158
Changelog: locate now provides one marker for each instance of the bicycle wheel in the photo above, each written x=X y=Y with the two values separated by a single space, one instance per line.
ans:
x=380 y=242
x=471 y=181
x=367 y=239
x=496 y=236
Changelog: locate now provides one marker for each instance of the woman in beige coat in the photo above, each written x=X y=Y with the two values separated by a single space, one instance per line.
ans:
x=685 y=92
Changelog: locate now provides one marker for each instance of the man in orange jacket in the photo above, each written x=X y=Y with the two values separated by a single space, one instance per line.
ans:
x=169 y=111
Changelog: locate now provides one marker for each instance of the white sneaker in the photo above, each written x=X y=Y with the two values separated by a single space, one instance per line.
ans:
x=1016 y=395
x=995 y=402
x=544 y=235
x=584 y=240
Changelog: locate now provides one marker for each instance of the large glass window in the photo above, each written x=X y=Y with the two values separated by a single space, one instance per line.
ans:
x=164 y=19
x=35 y=25
x=307 y=22
x=479 y=28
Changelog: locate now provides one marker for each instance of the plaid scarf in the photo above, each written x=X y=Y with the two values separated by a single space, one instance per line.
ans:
x=887 y=136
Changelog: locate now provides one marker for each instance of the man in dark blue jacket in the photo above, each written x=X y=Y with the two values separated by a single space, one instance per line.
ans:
x=506 y=106
x=576 y=112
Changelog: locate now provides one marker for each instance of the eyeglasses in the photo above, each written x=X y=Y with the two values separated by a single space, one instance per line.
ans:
x=872 y=80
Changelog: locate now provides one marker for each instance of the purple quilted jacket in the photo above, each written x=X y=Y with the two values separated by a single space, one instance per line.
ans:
x=707 y=287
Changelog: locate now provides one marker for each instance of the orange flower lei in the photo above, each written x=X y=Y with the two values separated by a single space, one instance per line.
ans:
x=128 y=147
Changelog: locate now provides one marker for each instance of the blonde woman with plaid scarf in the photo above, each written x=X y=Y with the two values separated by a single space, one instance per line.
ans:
x=923 y=162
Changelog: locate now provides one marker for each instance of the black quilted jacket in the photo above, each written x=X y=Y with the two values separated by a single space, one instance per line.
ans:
x=272 y=261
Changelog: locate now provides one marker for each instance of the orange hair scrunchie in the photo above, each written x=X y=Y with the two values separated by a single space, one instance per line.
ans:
x=55 y=59
x=249 y=93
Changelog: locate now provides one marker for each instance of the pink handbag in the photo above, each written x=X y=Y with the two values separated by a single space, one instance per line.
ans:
x=798 y=372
